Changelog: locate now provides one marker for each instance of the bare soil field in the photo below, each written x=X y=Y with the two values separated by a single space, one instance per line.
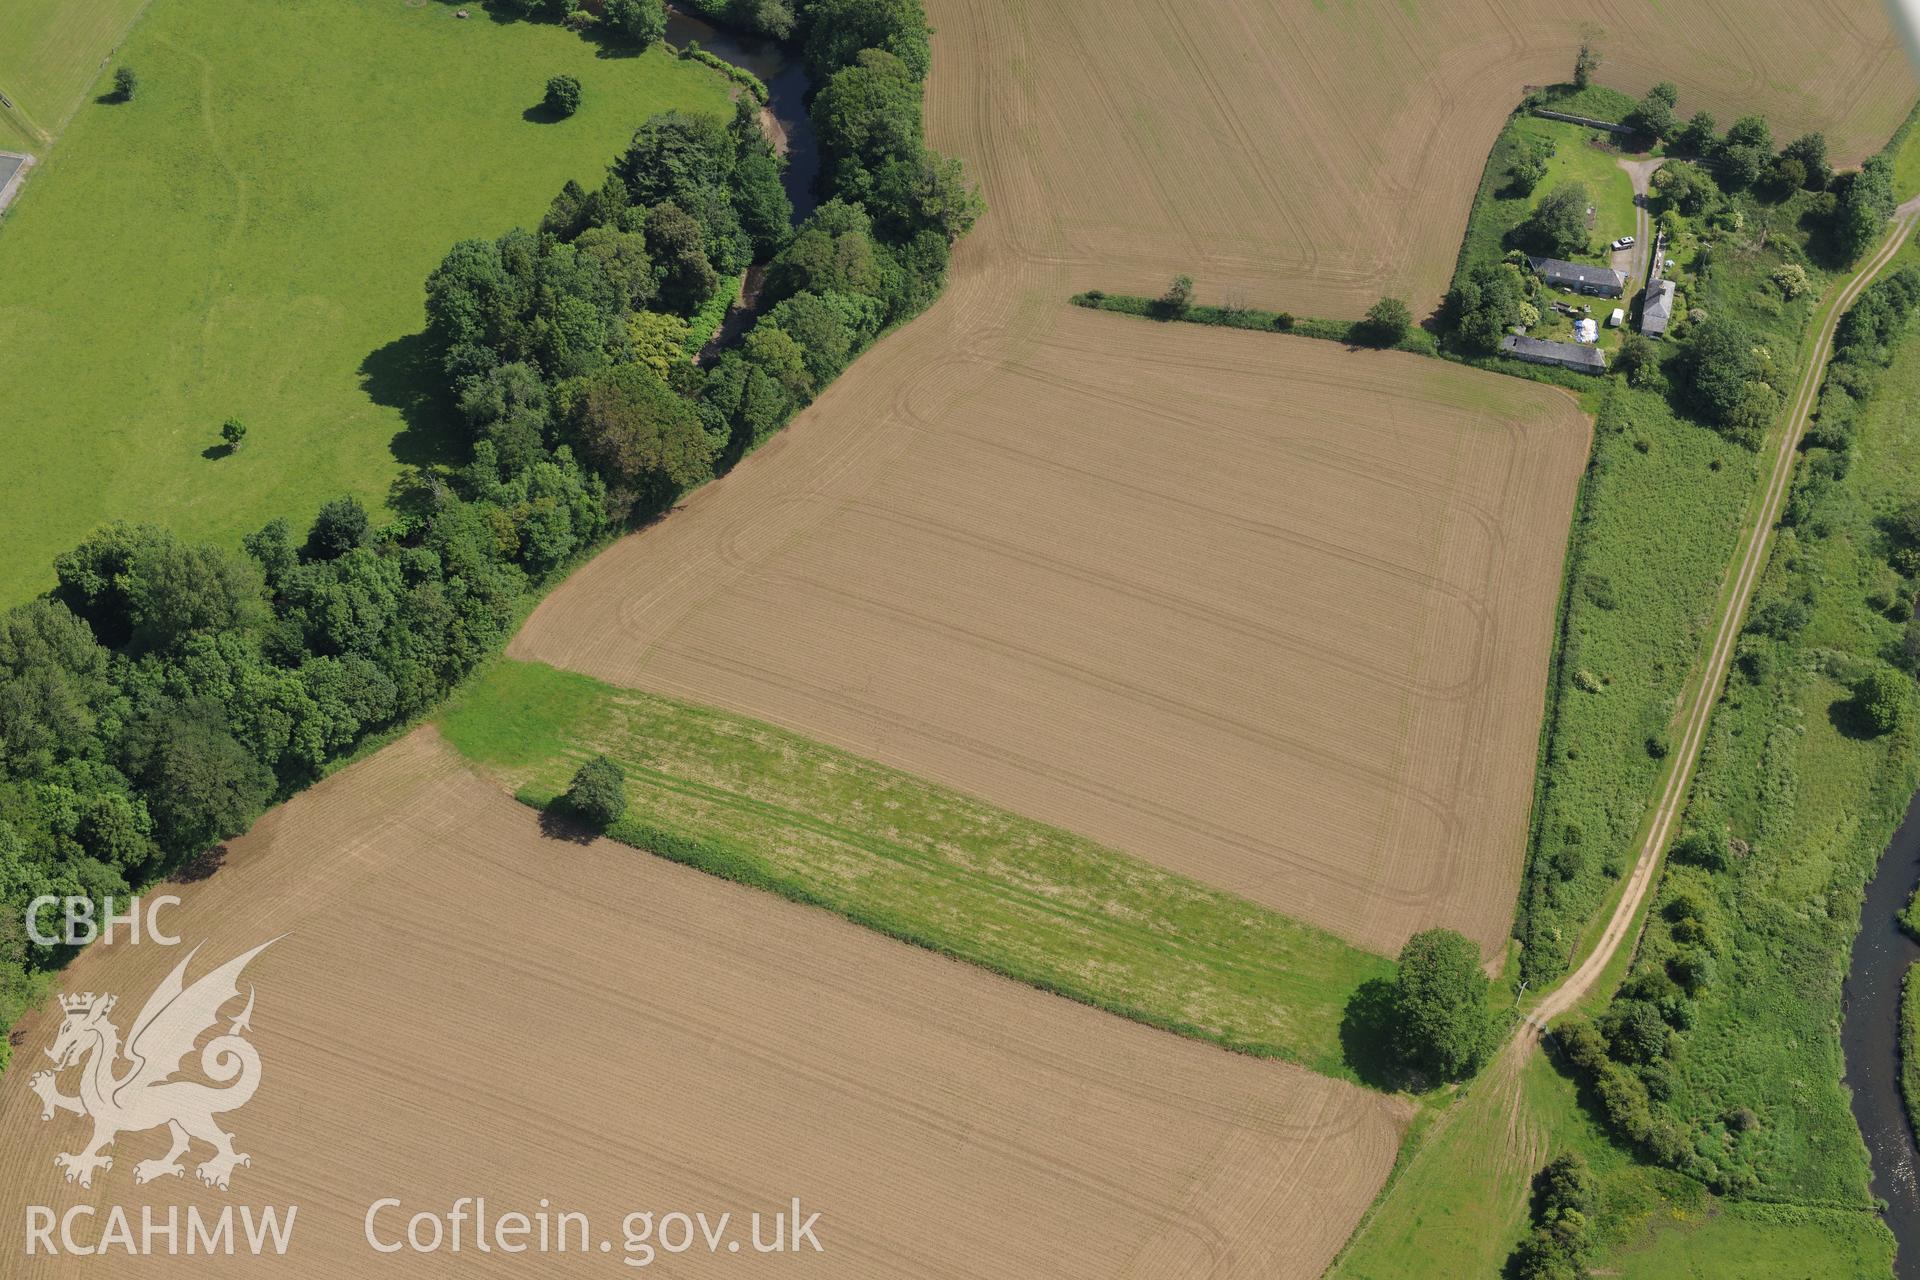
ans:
x=1312 y=157
x=1269 y=613
x=464 y=1007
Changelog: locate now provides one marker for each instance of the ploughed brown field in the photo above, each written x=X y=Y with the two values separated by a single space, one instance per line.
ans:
x=1314 y=156
x=464 y=1007
x=1270 y=613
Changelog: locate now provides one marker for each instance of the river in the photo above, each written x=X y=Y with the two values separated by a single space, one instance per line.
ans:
x=787 y=123
x=1870 y=1038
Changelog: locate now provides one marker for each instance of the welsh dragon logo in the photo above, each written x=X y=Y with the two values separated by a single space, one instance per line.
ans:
x=124 y=1089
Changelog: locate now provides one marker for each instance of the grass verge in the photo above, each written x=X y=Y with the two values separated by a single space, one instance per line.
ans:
x=761 y=806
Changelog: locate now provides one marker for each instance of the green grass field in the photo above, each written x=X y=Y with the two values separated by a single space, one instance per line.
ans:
x=1577 y=159
x=1657 y=526
x=50 y=59
x=765 y=807
x=249 y=238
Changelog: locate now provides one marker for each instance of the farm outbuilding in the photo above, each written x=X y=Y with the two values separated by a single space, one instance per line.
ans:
x=1657 y=312
x=1568 y=355
x=1579 y=277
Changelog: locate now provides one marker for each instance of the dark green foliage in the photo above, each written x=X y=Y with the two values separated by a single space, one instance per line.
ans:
x=865 y=116
x=1557 y=226
x=1810 y=151
x=1881 y=697
x=1485 y=304
x=1719 y=364
x=341 y=526
x=1708 y=850
x=1700 y=137
x=1386 y=323
x=232 y=433
x=1866 y=202
x=1638 y=360
x=1654 y=115
x=1684 y=186
x=1635 y=1032
x=1441 y=1004
x=1565 y=1199
x=642 y=22
x=643 y=437
x=563 y=95
x=598 y=792
x=675 y=242
x=838 y=30
x=125 y=84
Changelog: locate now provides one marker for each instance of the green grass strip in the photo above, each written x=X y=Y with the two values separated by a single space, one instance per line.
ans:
x=927 y=865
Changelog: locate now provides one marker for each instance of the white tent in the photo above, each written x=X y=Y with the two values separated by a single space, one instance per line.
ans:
x=1587 y=330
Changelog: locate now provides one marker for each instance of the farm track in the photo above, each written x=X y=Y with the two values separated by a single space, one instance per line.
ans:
x=1706 y=694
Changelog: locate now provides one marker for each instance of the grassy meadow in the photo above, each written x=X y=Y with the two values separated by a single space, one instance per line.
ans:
x=50 y=59
x=768 y=808
x=249 y=238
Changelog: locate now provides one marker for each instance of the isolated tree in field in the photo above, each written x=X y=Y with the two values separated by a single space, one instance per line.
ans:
x=1179 y=295
x=1585 y=63
x=598 y=792
x=1881 y=698
x=1530 y=168
x=563 y=95
x=233 y=431
x=1440 y=1000
x=1558 y=224
x=644 y=22
x=125 y=84
x=1387 y=322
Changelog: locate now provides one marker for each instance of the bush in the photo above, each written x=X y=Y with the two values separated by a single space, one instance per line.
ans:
x=1441 y=1004
x=644 y=22
x=1179 y=295
x=1880 y=697
x=233 y=431
x=598 y=792
x=1387 y=322
x=125 y=84
x=563 y=95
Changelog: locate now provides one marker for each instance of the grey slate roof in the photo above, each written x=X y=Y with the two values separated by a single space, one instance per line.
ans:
x=1540 y=351
x=1557 y=272
x=1657 y=311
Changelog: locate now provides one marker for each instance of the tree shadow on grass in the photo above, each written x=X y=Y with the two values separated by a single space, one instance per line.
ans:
x=558 y=823
x=1366 y=1037
x=1849 y=719
x=404 y=375
x=541 y=113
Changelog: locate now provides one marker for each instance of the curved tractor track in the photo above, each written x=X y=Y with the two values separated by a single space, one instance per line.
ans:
x=1747 y=573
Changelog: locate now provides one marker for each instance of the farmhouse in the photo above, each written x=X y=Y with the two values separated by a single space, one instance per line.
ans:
x=1568 y=355
x=1657 y=312
x=1603 y=282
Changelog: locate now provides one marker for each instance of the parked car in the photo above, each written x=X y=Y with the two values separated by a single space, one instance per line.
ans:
x=1624 y=242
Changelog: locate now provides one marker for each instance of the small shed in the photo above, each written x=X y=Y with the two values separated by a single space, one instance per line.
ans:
x=1567 y=355
x=1618 y=318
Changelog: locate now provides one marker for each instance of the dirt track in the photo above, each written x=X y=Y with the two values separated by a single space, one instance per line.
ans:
x=1705 y=694
x=1236 y=604
x=465 y=1008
